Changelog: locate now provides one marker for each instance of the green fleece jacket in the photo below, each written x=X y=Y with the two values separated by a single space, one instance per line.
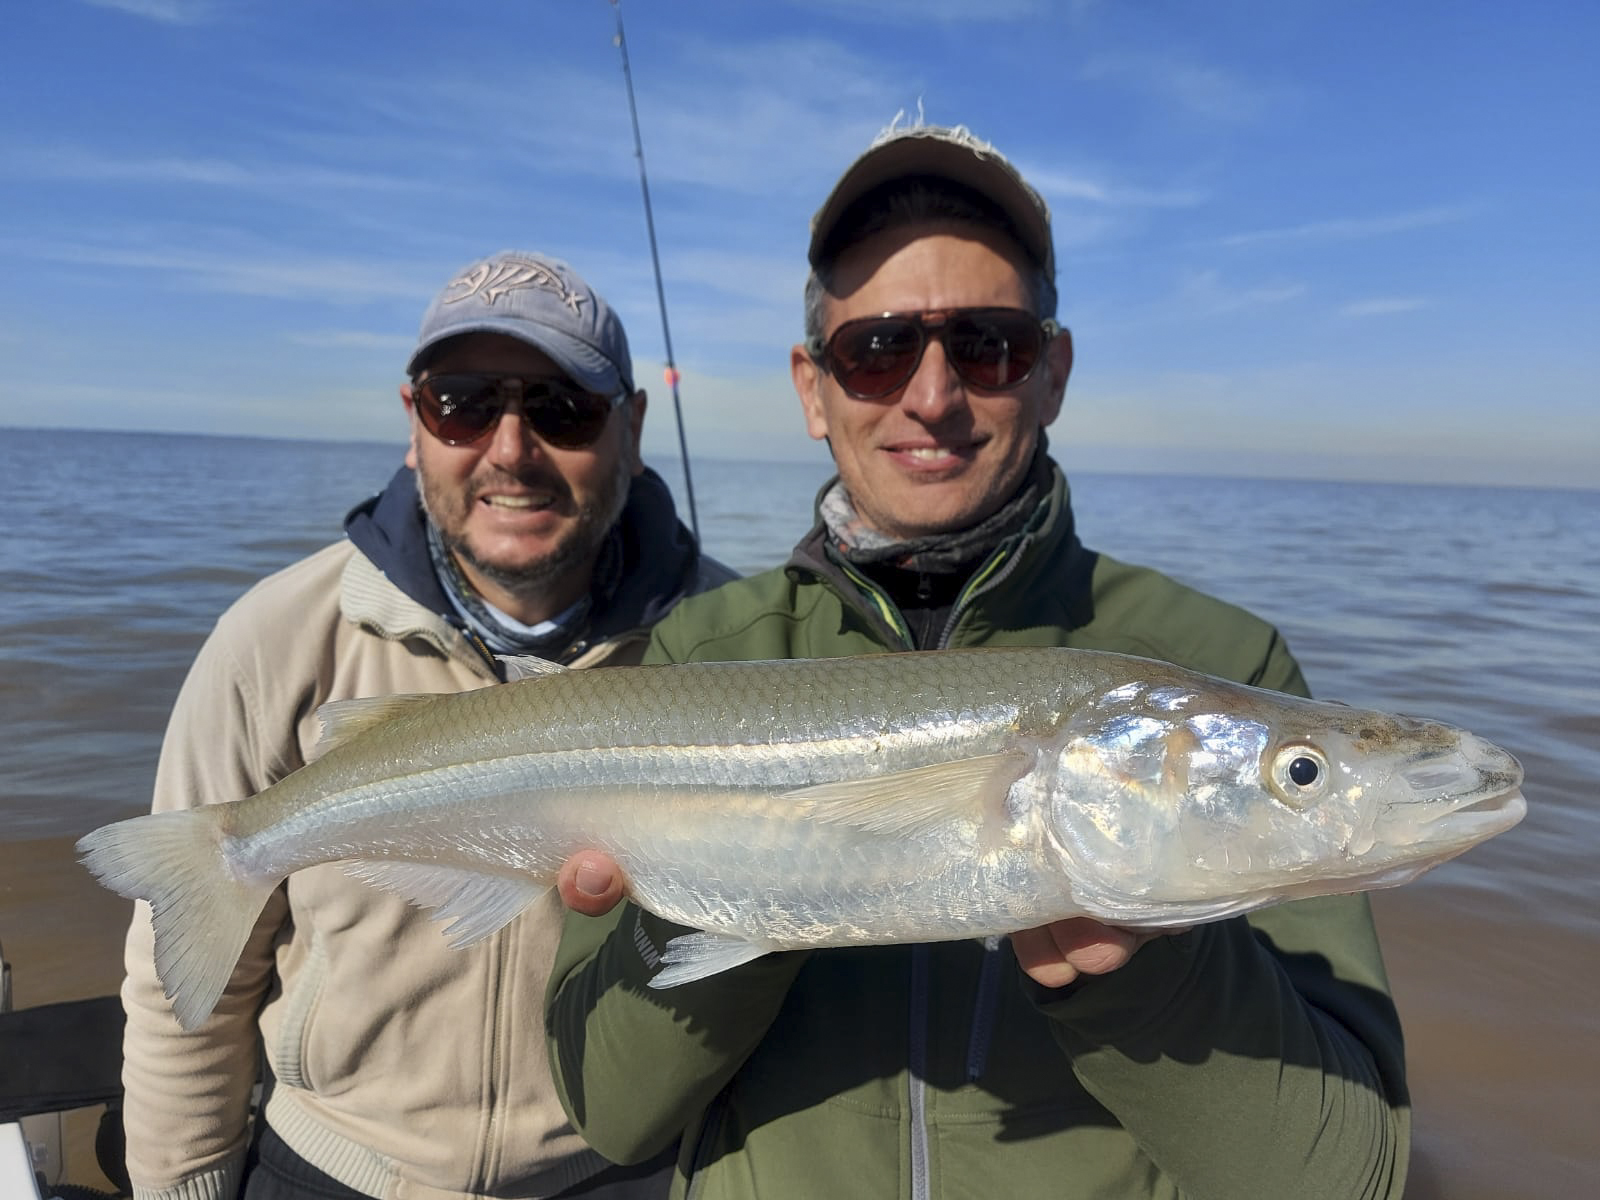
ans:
x=1255 y=1058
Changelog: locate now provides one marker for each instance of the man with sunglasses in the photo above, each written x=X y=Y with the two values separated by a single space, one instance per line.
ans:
x=1245 y=1059
x=523 y=522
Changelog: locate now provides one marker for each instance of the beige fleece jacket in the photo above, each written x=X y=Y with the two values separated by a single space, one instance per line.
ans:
x=403 y=1068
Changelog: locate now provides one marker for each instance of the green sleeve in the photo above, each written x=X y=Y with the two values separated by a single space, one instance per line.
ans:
x=603 y=1021
x=1277 y=1035
x=1279 y=670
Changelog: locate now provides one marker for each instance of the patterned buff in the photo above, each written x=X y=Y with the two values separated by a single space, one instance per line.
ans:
x=935 y=553
x=503 y=633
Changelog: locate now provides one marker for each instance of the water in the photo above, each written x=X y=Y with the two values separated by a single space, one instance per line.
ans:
x=1478 y=606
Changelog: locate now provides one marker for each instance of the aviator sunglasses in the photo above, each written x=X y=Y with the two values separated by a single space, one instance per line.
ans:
x=459 y=409
x=992 y=349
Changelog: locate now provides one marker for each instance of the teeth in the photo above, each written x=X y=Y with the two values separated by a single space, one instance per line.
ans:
x=515 y=501
x=928 y=452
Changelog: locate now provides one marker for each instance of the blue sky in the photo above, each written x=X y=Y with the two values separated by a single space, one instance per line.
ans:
x=1324 y=238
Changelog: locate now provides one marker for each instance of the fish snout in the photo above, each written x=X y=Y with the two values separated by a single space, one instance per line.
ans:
x=1477 y=776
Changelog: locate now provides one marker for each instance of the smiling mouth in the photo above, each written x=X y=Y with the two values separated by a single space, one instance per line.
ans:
x=934 y=454
x=518 y=503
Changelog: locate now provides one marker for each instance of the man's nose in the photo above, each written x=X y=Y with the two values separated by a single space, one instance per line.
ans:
x=934 y=390
x=511 y=441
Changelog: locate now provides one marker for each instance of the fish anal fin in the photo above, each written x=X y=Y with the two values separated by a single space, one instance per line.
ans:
x=528 y=666
x=918 y=800
x=700 y=955
x=475 y=903
x=342 y=720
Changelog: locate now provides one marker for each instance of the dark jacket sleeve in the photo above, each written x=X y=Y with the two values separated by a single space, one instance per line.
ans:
x=603 y=1021
x=1228 y=1037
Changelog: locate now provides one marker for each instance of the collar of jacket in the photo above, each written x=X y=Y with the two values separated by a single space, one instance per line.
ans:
x=369 y=599
x=1048 y=541
x=661 y=561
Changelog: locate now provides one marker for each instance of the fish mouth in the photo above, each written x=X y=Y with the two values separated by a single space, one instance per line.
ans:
x=1445 y=802
x=1442 y=835
x=1480 y=783
x=1481 y=818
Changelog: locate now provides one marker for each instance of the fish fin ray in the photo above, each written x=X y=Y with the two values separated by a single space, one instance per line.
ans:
x=917 y=800
x=702 y=954
x=201 y=910
x=475 y=903
x=341 y=720
x=528 y=666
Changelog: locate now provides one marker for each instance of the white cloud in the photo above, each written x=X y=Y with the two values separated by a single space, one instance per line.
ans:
x=352 y=339
x=754 y=416
x=895 y=12
x=1193 y=87
x=70 y=164
x=757 y=118
x=262 y=271
x=1205 y=293
x=1383 y=306
x=168 y=12
x=1354 y=228
x=1427 y=422
x=1056 y=184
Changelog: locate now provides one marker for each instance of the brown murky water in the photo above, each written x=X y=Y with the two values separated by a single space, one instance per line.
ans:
x=1477 y=606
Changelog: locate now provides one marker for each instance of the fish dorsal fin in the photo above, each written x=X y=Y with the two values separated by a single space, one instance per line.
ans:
x=528 y=666
x=918 y=800
x=475 y=904
x=699 y=955
x=341 y=720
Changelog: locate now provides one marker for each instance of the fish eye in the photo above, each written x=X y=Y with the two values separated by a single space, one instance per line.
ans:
x=1303 y=771
x=1299 y=774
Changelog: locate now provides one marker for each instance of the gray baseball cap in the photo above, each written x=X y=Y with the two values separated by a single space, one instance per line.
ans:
x=946 y=153
x=538 y=300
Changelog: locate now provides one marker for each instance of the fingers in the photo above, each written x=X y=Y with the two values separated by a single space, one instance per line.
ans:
x=590 y=883
x=1056 y=954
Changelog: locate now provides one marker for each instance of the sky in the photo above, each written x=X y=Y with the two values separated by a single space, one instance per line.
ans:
x=1346 y=239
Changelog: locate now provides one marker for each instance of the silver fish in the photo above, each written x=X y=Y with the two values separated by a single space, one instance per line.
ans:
x=835 y=802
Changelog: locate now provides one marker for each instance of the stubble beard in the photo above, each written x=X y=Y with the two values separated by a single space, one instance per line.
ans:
x=531 y=580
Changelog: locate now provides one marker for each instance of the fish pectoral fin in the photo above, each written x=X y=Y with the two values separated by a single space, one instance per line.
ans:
x=341 y=720
x=700 y=955
x=476 y=904
x=918 y=800
x=527 y=666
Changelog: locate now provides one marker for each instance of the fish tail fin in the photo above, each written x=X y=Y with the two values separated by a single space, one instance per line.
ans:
x=202 y=910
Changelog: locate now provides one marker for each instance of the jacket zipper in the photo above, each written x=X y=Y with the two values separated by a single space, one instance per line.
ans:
x=494 y=1082
x=995 y=570
x=917 y=1068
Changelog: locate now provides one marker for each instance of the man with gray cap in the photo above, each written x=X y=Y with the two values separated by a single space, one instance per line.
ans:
x=1243 y=1059
x=523 y=522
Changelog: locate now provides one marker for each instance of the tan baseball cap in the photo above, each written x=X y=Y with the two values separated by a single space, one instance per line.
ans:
x=952 y=153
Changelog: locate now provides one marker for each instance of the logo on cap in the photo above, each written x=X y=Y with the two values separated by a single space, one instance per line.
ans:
x=492 y=280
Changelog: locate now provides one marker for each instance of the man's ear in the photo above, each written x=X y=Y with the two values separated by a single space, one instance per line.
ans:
x=807 y=378
x=1058 y=365
x=411 y=412
x=636 y=405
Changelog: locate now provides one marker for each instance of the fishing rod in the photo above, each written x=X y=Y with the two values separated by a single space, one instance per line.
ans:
x=655 y=259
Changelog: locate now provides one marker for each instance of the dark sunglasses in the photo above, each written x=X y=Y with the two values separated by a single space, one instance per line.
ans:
x=992 y=349
x=461 y=409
